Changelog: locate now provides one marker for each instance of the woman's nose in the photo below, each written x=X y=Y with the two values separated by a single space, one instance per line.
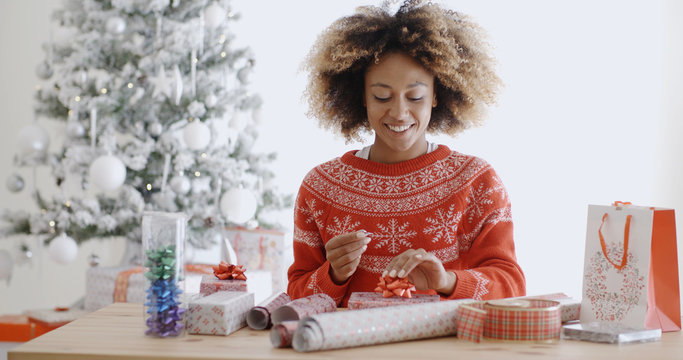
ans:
x=399 y=109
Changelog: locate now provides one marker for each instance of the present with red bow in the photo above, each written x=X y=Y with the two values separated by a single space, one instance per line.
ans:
x=389 y=292
x=226 y=277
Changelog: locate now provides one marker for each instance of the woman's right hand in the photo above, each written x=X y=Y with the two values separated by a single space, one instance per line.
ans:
x=343 y=252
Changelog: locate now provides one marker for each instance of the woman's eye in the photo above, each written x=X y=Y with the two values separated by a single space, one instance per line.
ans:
x=381 y=98
x=416 y=99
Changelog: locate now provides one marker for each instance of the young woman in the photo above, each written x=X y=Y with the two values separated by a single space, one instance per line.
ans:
x=403 y=207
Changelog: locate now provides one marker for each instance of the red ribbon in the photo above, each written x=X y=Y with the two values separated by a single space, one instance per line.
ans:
x=390 y=286
x=225 y=271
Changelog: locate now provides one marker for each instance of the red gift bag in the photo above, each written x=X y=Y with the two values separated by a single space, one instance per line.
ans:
x=631 y=267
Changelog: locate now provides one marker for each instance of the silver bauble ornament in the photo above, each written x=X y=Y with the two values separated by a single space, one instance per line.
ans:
x=44 y=70
x=74 y=130
x=155 y=129
x=15 y=183
x=115 y=25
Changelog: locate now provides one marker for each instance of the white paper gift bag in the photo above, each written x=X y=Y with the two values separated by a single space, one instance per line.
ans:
x=630 y=271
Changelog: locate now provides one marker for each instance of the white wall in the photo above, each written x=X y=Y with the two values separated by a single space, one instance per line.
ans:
x=589 y=114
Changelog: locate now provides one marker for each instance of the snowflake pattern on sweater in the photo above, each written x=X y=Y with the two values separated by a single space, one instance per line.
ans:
x=450 y=204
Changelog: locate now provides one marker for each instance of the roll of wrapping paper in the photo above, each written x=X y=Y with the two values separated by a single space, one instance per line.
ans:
x=515 y=320
x=300 y=308
x=376 y=326
x=281 y=335
x=258 y=317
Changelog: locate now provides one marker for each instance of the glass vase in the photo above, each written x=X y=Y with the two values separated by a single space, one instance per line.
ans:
x=163 y=243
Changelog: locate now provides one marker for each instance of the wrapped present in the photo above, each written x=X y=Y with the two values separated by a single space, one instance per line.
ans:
x=260 y=250
x=368 y=300
x=45 y=320
x=16 y=328
x=210 y=284
x=300 y=308
x=103 y=284
x=259 y=316
x=221 y=313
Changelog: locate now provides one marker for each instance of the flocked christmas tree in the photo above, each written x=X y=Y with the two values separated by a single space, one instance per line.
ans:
x=157 y=115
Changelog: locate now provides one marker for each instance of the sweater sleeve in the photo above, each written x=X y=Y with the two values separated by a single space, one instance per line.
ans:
x=489 y=266
x=310 y=272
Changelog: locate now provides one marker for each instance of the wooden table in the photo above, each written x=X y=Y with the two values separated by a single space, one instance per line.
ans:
x=117 y=332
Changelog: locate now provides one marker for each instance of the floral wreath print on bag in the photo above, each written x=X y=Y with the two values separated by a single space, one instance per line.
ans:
x=612 y=305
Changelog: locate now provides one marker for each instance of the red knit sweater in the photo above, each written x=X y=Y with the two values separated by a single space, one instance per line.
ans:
x=452 y=205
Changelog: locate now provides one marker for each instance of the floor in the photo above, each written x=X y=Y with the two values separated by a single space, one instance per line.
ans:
x=5 y=347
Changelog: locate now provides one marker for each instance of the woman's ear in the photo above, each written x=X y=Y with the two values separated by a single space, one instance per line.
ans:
x=434 y=101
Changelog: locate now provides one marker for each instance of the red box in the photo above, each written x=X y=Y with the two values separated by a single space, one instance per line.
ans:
x=368 y=300
x=16 y=328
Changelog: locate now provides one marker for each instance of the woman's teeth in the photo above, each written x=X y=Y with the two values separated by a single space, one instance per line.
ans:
x=398 y=128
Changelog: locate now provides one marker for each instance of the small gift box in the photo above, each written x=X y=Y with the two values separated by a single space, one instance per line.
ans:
x=369 y=300
x=45 y=320
x=16 y=328
x=221 y=313
x=210 y=284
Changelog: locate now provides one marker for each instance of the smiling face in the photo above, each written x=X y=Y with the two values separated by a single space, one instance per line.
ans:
x=399 y=97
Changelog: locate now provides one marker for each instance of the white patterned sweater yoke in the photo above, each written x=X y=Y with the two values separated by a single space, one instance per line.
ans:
x=449 y=204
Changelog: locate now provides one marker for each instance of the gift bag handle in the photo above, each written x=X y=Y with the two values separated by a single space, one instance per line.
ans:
x=627 y=228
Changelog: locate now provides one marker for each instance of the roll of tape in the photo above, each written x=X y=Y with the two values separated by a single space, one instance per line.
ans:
x=516 y=320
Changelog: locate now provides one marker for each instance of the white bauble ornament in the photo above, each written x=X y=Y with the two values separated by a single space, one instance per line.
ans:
x=214 y=15
x=15 y=183
x=244 y=74
x=74 y=130
x=33 y=140
x=6 y=265
x=107 y=172
x=115 y=25
x=210 y=101
x=180 y=184
x=238 y=205
x=44 y=70
x=63 y=249
x=155 y=129
x=197 y=135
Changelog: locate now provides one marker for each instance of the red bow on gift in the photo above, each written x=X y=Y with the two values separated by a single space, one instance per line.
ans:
x=390 y=286
x=225 y=271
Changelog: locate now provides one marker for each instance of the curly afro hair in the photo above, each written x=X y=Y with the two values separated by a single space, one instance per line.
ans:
x=448 y=44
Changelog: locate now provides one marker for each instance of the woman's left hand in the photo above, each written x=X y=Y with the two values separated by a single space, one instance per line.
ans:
x=422 y=269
